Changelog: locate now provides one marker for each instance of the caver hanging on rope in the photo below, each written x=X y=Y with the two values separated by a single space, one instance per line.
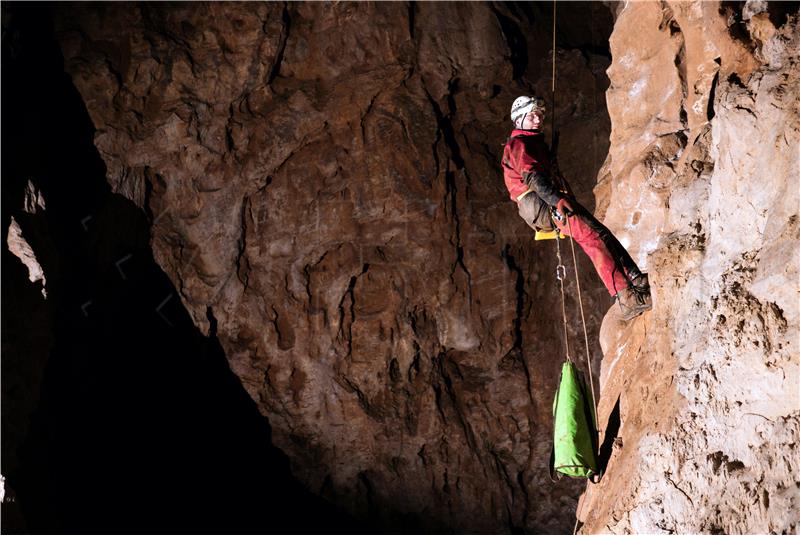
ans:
x=541 y=194
x=531 y=183
x=546 y=203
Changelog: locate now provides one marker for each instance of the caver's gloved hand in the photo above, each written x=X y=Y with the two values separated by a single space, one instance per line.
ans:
x=564 y=207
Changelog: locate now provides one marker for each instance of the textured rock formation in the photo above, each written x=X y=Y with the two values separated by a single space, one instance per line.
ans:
x=324 y=190
x=21 y=249
x=18 y=244
x=701 y=397
x=117 y=413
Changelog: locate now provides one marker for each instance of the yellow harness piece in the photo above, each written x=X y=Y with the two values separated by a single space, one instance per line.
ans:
x=548 y=235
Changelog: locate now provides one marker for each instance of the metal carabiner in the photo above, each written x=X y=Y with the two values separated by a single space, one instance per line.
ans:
x=561 y=272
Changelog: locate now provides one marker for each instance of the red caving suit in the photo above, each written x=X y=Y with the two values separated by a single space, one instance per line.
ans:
x=528 y=177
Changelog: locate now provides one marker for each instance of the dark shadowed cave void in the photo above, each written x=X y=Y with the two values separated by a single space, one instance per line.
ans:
x=139 y=425
x=118 y=414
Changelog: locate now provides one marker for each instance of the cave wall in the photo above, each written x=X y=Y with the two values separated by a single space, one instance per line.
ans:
x=701 y=397
x=118 y=415
x=320 y=185
x=323 y=185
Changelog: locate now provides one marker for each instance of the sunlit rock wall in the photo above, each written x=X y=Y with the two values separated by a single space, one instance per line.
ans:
x=703 y=181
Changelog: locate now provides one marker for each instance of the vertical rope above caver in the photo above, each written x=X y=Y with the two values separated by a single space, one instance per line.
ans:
x=553 y=81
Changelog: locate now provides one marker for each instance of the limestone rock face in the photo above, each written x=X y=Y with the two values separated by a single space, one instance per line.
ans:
x=22 y=250
x=701 y=397
x=324 y=188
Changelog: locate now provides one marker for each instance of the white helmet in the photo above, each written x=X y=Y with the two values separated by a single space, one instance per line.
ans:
x=525 y=105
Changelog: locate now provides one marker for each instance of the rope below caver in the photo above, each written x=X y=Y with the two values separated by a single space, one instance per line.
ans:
x=561 y=270
x=561 y=274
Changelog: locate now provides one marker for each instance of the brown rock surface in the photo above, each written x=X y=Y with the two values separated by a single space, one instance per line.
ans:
x=702 y=177
x=324 y=188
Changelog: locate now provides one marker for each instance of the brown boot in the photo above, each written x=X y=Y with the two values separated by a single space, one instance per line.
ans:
x=635 y=299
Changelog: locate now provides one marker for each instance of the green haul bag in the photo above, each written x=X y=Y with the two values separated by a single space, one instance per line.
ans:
x=574 y=450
